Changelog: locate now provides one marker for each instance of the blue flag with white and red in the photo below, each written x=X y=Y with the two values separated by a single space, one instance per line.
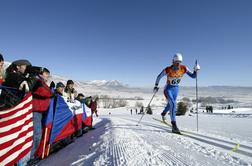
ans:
x=87 y=115
x=67 y=119
x=43 y=149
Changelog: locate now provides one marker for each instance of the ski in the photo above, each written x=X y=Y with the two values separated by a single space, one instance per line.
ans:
x=162 y=121
x=167 y=124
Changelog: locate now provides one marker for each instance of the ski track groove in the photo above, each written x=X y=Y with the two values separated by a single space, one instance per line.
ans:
x=117 y=156
x=122 y=158
x=175 y=160
x=171 y=157
x=114 y=155
x=121 y=154
x=133 y=151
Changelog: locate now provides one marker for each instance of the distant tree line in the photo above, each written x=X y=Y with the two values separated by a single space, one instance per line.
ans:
x=214 y=100
x=109 y=102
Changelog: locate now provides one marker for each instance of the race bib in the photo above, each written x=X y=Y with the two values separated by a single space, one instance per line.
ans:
x=174 y=81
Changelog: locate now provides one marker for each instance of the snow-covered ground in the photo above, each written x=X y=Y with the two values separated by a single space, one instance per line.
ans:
x=221 y=140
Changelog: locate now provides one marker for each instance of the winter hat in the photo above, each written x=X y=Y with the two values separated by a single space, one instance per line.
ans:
x=70 y=82
x=80 y=95
x=22 y=62
x=1 y=58
x=60 y=84
x=43 y=69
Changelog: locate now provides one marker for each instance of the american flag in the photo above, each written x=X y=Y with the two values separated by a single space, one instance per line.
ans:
x=16 y=131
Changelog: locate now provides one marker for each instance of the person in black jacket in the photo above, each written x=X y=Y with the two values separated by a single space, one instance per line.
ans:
x=60 y=88
x=80 y=98
x=1 y=69
x=17 y=83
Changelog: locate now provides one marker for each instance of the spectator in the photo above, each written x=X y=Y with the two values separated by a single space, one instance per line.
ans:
x=80 y=132
x=88 y=101
x=60 y=88
x=1 y=69
x=41 y=101
x=80 y=98
x=91 y=102
x=142 y=110
x=94 y=105
x=17 y=83
x=64 y=142
x=149 y=110
x=71 y=93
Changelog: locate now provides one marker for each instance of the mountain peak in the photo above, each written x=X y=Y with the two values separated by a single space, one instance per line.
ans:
x=105 y=83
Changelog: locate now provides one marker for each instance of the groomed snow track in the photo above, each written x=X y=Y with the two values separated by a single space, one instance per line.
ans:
x=118 y=141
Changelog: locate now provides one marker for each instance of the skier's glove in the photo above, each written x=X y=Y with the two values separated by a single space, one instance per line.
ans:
x=196 y=68
x=155 y=89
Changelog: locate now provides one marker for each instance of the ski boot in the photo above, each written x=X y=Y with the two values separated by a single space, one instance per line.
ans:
x=175 y=128
x=163 y=116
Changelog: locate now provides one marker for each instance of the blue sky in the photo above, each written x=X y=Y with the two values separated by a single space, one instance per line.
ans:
x=131 y=40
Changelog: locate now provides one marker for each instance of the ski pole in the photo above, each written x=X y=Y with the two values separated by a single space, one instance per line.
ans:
x=197 y=106
x=146 y=109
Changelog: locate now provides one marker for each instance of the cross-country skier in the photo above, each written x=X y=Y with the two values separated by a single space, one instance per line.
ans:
x=174 y=74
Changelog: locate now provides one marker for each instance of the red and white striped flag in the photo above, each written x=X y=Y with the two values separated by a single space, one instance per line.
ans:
x=16 y=131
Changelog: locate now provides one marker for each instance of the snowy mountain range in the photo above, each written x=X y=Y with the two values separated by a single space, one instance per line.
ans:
x=112 y=88
x=105 y=83
x=98 y=83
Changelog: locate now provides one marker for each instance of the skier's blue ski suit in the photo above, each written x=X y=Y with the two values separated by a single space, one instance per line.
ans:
x=174 y=75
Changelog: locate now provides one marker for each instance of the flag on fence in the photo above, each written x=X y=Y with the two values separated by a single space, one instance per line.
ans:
x=67 y=119
x=16 y=131
x=87 y=115
x=44 y=147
